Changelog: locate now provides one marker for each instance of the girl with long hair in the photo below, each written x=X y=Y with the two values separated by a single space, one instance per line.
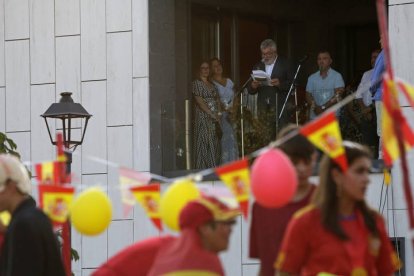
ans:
x=338 y=233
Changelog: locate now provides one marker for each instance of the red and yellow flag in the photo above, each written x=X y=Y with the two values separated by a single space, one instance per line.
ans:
x=236 y=176
x=50 y=173
x=391 y=114
x=325 y=134
x=148 y=197
x=130 y=178
x=408 y=91
x=55 y=202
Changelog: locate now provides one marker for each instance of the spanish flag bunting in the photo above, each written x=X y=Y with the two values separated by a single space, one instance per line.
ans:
x=236 y=177
x=391 y=114
x=408 y=91
x=50 y=173
x=129 y=178
x=325 y=134
x=55 y=202
x=148 y=197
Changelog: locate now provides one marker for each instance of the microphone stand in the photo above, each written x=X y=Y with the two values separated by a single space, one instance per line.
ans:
x=288 y=95
x=241 y=114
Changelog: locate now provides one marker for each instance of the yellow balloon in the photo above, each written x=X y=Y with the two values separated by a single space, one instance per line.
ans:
x=91 y=212
x=174 y=199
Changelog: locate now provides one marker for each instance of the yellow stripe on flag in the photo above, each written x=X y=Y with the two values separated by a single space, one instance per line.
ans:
x=48 y=170
x=392 y=114
x=149 y=197
x=236 y=176
x=325 y=134
x=55 y=201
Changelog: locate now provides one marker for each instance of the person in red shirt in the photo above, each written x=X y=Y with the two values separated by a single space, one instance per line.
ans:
x=338 y=234
x=268 y=225
x=205 y=231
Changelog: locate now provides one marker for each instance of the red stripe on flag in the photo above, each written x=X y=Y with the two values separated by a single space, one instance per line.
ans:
x=342 y=162
x=318 y=124
x=153 y=187
x=157 y=223
x=234 y=166
x=244 y=207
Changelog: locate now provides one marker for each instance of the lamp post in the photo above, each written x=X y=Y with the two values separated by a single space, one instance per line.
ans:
x=66 y=110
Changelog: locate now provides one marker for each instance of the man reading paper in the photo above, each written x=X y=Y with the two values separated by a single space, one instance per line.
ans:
x=271 y=97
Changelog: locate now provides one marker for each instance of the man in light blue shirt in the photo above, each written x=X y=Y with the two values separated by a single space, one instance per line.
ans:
x=376 y=91
x=324 y=87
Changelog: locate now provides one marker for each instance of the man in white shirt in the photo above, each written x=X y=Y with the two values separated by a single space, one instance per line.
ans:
x=364 y=98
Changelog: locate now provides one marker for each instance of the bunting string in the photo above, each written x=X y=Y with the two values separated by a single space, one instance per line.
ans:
x=197 y=177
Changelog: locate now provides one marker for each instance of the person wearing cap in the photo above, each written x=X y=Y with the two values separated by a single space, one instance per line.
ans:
x=30 y=246
x=205 y=226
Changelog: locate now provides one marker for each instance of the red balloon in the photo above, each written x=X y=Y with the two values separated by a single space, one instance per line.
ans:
x=273 y=179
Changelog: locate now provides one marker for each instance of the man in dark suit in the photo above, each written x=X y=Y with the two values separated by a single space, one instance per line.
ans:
x=270 y=99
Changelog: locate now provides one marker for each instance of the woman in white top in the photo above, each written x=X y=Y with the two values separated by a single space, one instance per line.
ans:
x=225 y=87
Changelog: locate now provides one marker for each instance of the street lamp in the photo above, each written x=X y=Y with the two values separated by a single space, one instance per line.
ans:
x=67 y=110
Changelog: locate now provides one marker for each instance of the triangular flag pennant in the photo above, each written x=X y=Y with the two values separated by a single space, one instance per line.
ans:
x=149 y=198
x=49 y=173
x=325 y=134
x=236 y=176
x=408 y=91
x=55 y=202
x=129 y=178
x=391 y=114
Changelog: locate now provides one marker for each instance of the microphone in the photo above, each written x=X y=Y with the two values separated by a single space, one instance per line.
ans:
x=302 y=60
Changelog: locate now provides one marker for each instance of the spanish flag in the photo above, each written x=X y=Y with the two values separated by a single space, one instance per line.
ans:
x=148 y=197
x=55 y=202
x=50 y=173
x=391 y=114
x=408 y=91
x=129 y=178
x=325 y=134
x=236 y=176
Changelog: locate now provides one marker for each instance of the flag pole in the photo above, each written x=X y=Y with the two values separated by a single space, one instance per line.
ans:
x=396 y=114
x=66 y=229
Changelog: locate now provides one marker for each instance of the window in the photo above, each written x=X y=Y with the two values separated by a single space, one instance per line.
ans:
x=200 y=29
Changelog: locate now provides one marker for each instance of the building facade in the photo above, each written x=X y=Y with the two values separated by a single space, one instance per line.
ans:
x=126 y=62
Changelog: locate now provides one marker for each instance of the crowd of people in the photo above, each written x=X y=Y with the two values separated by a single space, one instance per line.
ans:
x=216 y=140
x=325 y=229
x=347 y=237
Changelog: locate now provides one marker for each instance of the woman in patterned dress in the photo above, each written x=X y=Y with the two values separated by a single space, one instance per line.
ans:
x=206 y=122
x=225 y=87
